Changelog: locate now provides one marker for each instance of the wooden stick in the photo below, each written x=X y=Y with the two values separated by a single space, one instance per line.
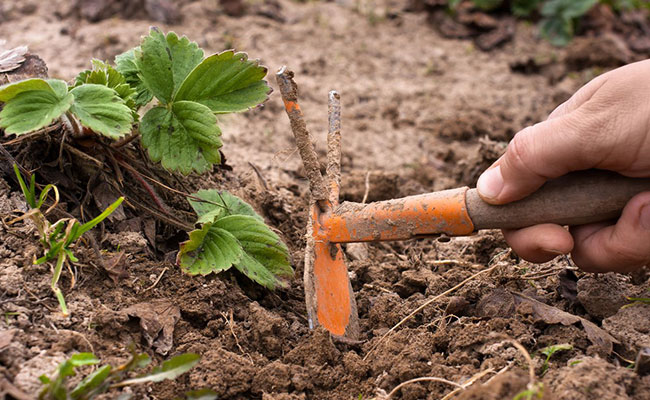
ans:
x=289 y=91
x=334 y=147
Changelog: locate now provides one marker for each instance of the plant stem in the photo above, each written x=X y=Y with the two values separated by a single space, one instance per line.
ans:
x=55 y=280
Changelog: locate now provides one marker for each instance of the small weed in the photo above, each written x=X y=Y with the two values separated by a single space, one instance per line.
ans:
x=58 y=238
x=107 y=377
x=549 y=351
x=534 y=392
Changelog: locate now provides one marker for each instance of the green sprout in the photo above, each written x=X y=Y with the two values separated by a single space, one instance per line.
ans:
x=549 y=351
x=58 y=238
x=108 y=377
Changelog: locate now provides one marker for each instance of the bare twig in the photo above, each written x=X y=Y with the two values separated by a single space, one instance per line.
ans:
x=423 y=379
x=334 y=147
x=424 y=305
x=33 y=135
x=125 y=140
x=289 y=91
x=468 y=383
x=155 y=283
x=367 y=191
x=228 y=317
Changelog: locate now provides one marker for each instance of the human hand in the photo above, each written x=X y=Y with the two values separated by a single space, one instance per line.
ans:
x=604 y=125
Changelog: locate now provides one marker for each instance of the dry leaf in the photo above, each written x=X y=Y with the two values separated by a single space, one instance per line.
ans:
x=12 y=58
x=157 y=320
x=6 y=337
x=552 y=315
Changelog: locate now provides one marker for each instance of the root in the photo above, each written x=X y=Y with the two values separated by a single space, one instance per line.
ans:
x=425 y=304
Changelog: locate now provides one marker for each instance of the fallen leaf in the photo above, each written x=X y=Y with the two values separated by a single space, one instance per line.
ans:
x=157 y=320
x=7 y=388
x=552 y=315
x=116 y=267
x=11 y=59
x=6 y=337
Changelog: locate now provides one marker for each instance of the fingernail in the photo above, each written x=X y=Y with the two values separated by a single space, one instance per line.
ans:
x=644 y=217
x=490 y=183
x=553 y=251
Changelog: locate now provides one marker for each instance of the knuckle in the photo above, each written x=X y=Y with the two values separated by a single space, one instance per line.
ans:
x=520 y=152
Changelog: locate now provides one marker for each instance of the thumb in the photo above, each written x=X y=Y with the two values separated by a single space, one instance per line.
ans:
x=621 y=247
x=546 y=150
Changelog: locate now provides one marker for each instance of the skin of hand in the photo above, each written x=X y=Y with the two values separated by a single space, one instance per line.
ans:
x=604 y=125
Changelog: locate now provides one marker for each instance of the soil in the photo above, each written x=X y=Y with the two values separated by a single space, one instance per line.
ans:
x=420 y=112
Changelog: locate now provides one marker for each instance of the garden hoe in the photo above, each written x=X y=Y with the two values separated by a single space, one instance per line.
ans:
x=574 y=199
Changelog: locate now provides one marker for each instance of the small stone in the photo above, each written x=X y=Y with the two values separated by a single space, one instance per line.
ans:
x=357 y=251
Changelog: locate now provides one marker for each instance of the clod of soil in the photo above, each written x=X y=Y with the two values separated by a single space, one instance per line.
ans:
x=602 y=295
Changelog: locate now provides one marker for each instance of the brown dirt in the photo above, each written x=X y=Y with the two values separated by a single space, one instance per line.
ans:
x=421 y=113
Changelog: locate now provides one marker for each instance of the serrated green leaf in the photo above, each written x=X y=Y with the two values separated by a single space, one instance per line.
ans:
x=11 y=90
x=32 y=104
x=165 y=61
x=567 y=9
x=558 y=31
x=59 y=87
x=125 y=64
x=104 y=74
x=218 y=204
x=100 y=108
x=265 y=255
x=183 y=138
x=91 y=382
x=226 y=82
x=209 y=250
x=169 y=369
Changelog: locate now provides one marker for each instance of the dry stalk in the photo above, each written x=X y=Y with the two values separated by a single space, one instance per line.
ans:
x=304 y=142
x=424 y=305
x=334 y=146
x=367 y=191
x=155 y=283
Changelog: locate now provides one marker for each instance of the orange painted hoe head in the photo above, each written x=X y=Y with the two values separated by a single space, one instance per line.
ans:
x=574 y=199
x=329 y=296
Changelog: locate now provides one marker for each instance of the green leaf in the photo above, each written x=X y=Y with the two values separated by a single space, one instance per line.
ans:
x=91 y=382
x=102 y=110
x=125 y=64
x=558 y=31
x=78 y=230
x=226 y=82
x=218 y=204
x=104 y=74
x=169 y=369
x=59 y=87
x=32 y=104
x=209 y=250
x=165 y=61
x=567 y=9
x=265 y=255
x=11 y=90
x=523 y=8
x=183 y=138
x=488 y=5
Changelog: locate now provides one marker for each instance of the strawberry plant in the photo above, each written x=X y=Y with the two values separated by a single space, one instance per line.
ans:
x=559 y=17
x=233 y=234
x=106 y=377
x=58 y=238
x=183 y=92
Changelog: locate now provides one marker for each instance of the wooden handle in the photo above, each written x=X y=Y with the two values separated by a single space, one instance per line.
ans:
x=574 y=199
